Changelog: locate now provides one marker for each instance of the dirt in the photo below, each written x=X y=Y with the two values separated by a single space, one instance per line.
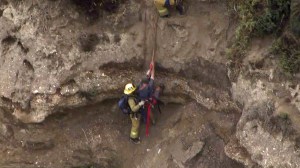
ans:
x=74 y=65
x=63 y=69
x=98 y=136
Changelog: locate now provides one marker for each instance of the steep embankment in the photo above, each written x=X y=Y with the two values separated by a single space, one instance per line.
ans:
x=267 y=87
x=74 y=62
x=52 y=57
x=67 y=58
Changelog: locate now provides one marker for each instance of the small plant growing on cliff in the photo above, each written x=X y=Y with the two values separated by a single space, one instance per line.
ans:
x=256 y=17
x=287 y=49
x=274 y=14
x=295 y=19
x=92 y=8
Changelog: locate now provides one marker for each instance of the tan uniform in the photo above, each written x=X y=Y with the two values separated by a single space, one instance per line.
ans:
x=135 y=117
x=161 y=6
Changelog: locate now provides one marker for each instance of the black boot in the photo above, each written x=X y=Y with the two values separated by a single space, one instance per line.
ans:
x=180 y=7
x=165 y=16
x=135 y=140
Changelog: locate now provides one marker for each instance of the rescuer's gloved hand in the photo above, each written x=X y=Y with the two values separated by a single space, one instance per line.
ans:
x=141 y=103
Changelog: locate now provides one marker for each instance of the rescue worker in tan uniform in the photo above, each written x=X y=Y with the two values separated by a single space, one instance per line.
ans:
x=163 y=5
x=135 y=116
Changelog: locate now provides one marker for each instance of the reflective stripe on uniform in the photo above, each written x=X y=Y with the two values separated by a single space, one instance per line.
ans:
x=135 y=121
x=133 y=134
x=163 y=12
x=160 y=6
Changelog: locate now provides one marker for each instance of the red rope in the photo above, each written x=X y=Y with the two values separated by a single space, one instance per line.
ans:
x=151 y=67
x=149 y=105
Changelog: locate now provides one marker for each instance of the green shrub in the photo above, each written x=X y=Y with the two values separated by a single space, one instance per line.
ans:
x=92 y=8
x=256 y=17
x=295 y=25
x=287 y=49
x=295 y=18
x=274 y=14
x=245 y=13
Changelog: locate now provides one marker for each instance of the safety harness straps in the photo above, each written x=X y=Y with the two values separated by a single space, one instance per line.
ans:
x=152 y=102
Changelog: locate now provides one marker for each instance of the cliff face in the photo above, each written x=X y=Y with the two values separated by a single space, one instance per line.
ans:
x=45 y=46
x=268 y=130
x=52 y=55
x=70 y=60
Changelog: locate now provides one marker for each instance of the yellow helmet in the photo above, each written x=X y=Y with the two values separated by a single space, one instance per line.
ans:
x=129 y=88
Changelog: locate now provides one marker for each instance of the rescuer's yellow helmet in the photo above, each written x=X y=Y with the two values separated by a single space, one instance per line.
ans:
x=129 y=88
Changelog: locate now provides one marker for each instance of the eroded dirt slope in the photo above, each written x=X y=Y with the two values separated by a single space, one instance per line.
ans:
x=97 y=136
x=62 y=70
x=50 y=50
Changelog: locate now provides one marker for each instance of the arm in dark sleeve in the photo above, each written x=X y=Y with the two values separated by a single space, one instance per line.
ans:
x=133 y=106
x=151 y=84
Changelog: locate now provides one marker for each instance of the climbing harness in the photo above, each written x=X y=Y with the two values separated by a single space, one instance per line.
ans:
x=149 y=105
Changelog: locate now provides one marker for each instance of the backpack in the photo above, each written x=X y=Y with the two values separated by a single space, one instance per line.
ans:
x=123 y=105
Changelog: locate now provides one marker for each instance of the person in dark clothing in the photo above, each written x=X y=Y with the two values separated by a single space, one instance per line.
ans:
x=148 y=92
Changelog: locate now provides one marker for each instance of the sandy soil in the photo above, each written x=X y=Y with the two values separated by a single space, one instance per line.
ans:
x=190 y=46
x=98 y=136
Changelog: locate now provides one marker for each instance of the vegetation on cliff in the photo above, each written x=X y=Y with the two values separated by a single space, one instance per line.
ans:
x=92 y=8
x=265 y=17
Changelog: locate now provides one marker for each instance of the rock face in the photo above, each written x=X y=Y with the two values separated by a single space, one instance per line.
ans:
x=44 y=46
x=57 y=55
x=267 y=134
x=269 y=137
x=6 y=131
x=182 y=155
x=200 y=143
x=54 y=57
